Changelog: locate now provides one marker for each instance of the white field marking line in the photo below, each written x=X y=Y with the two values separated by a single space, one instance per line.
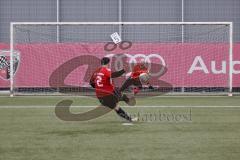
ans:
x=199 y=95
x=162 y=96
x=30 y=107
x=127 y=124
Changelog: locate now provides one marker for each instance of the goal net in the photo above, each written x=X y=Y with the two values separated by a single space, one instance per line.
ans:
x=183 y=57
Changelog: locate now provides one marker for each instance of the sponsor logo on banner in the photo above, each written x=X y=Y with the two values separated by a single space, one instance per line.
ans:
x=199 y=64
x=133 y=59
x=5 y=63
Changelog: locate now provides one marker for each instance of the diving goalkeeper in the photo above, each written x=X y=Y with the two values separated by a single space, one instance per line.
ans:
x=107 y=94
x=140 y=75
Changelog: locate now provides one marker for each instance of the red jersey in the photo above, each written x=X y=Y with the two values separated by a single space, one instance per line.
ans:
x=103 y=82
x=138 y=69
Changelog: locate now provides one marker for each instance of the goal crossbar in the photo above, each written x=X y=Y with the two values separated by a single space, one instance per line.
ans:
x=119 y=23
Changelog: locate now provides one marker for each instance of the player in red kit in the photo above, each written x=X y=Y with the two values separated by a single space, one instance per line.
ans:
x=108 y=96
x=134 y=79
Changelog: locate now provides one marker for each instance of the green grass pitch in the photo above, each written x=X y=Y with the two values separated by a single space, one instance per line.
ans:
x=210 y=130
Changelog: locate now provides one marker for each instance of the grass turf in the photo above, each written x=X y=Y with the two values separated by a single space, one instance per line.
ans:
x=155 y=101
x=36 y=133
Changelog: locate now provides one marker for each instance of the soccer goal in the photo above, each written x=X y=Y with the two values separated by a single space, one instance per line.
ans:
x=183 y=57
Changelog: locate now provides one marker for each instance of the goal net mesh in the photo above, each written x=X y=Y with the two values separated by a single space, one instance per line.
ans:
x=60 y=58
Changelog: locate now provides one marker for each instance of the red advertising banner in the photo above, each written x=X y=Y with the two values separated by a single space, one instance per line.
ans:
x=188 y=64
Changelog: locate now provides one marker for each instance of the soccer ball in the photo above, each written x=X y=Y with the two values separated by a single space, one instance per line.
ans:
x=144 y=77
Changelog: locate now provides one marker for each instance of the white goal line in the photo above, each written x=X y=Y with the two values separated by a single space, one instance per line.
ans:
x=30 y=107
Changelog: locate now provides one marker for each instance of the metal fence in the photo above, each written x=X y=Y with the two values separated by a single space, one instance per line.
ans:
x=118 y=10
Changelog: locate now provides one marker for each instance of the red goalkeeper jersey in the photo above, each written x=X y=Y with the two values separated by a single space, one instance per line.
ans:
x=103 y=82
x=138 y=69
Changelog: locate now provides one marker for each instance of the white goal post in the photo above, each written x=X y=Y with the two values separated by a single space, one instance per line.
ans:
x=142 y=29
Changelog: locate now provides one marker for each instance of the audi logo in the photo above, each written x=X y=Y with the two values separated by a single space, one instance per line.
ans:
x=133 y=59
